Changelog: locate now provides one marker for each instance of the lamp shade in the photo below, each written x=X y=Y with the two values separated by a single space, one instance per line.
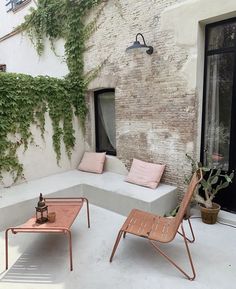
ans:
x=137 y=45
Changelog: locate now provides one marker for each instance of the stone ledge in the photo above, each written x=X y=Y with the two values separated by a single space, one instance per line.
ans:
x=107 y=190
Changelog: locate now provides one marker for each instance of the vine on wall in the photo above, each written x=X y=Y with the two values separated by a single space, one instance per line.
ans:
x=25 y=99
x=65 y=19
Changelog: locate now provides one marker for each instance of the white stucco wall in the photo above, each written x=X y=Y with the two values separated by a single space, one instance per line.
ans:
x=19 y=55
x=187 y=22
x=185 y=19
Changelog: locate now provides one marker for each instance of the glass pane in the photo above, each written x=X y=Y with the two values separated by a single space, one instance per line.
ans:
x=106 y=121
x=222 y=36
x=218 y=109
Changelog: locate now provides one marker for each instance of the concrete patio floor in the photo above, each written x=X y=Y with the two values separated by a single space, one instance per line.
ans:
x=41 y=261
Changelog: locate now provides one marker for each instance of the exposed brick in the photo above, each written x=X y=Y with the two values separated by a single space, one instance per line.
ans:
x=156 y=115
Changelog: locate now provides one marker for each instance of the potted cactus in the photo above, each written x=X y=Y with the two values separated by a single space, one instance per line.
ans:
x=213 y=181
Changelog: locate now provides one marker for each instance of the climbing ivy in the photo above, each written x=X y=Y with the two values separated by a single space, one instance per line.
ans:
x=65 y=19
x=24 y=100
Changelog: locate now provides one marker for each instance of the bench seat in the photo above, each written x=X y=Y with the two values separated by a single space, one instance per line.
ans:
x=107 y=190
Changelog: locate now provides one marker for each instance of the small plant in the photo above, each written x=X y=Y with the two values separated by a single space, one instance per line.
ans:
x=213 y=181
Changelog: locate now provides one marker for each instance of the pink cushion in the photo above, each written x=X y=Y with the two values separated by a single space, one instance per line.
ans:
x=92 y=162
x=145 y=174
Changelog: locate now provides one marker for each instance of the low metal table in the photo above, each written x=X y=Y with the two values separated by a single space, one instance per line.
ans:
x=66 y=210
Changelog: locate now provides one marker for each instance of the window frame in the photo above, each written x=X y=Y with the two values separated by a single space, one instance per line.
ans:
x=3 y=68
x=15 y=7
x=96 y=114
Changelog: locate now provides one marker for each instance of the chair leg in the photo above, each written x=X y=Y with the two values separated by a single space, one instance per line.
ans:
x=191 y=229
x=116 y=244
x=172 y=262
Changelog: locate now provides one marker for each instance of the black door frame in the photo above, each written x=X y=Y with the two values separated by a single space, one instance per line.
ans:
x=232 y=151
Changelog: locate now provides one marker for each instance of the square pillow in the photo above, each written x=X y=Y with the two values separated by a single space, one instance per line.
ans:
x=145 y=174
x=92 y=162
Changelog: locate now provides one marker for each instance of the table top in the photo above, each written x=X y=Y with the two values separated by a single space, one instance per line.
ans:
x=66 y=211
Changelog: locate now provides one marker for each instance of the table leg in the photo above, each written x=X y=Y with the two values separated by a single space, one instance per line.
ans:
x=70 y=248
x=88 y=217
x=6 y=247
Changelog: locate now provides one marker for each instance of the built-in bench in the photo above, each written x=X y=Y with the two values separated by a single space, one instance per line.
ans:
x=107 y=190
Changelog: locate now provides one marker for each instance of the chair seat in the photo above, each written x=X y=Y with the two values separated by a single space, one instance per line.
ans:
x=150 y=226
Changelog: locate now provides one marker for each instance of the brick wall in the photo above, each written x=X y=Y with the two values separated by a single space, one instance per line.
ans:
x=156 y=112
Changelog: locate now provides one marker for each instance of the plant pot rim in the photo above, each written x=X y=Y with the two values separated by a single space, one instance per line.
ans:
x=215 y=207
x=209 y=215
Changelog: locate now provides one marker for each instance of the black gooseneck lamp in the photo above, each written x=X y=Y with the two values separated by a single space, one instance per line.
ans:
x=137 y=44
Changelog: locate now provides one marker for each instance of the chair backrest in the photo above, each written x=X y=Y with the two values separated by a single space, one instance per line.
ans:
x=195 y=180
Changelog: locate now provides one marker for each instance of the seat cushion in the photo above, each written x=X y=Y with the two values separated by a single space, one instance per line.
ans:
x=145 y=174
x=92 y=162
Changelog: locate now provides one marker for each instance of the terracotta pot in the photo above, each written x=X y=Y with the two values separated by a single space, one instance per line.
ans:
x=51 y=217
x=209 y=215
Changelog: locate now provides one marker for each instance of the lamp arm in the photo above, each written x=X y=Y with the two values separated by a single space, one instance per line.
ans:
x=140 y=34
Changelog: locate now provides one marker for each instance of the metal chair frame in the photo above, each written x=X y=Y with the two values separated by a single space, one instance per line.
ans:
x=144 y=224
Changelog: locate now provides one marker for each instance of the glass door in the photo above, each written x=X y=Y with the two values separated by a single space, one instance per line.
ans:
x=219 y=104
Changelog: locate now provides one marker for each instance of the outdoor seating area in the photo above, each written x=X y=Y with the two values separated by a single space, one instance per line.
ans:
x=117 y=144
x=105 y=190
x=42 y=261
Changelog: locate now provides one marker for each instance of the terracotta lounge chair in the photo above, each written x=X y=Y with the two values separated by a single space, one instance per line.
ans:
x=162 y=229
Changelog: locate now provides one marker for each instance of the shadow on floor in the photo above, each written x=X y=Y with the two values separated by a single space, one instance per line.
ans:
x=44 y=261
x=26 y=271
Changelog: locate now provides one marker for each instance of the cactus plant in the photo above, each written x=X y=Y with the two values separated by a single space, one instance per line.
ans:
x=213 y=181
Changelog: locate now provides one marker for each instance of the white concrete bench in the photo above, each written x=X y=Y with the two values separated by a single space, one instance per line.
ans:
x=108 y=190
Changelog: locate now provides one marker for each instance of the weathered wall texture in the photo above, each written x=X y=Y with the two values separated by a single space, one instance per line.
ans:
x=158 y=97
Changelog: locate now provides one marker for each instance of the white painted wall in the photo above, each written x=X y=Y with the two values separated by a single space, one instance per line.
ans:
x=187 y=20
x=11 y=20
x=20 y=56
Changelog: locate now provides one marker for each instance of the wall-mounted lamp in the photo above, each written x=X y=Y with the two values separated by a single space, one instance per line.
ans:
x=137 y=44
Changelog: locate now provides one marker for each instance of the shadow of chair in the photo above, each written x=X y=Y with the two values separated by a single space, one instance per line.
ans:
x=162 y=229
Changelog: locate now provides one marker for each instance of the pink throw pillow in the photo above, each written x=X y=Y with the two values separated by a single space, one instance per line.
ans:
x=145 y=174
x=92 y=162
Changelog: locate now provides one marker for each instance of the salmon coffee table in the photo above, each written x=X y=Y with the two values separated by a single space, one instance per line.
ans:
x=66 y=209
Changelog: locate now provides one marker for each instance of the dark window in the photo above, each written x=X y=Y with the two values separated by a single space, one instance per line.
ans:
x=3 y=67
x=13 y=5
x=105 y=121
